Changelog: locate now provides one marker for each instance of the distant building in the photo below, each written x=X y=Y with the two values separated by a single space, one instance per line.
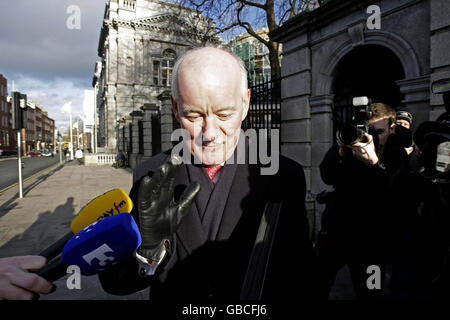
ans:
x=139 y=43
x=254 y=54
x=31 y=127
x=40 y=133
x=39 y=130
x=7 y=138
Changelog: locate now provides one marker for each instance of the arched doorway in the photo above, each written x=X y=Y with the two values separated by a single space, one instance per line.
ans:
x=370 y=70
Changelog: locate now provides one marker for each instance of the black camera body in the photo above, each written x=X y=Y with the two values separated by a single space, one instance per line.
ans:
x=354 y=130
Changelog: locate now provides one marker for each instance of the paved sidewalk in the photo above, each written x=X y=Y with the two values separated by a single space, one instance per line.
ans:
x=51 y=201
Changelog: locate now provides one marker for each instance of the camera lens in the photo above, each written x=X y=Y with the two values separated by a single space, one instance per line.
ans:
x=348 y=134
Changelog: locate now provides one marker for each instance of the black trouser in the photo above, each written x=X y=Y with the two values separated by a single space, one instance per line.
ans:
x=333 y=256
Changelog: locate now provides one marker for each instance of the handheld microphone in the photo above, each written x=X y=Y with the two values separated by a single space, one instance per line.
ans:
x=106 y=205
x=97 y=247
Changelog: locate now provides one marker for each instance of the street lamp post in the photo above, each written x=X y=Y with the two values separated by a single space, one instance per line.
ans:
x=71 y=140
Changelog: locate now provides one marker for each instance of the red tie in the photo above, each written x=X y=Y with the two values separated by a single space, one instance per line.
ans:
x=212 y=171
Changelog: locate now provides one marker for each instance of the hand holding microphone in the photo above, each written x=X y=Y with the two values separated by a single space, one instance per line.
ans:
x=96 y=248
x=18 y=276
x=159 y=215
x=16 y=283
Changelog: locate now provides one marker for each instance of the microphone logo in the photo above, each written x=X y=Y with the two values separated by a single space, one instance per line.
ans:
x=100 y=255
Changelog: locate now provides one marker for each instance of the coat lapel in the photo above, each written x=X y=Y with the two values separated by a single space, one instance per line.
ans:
x=219 y=197
x=240 y=188
x=190 y=232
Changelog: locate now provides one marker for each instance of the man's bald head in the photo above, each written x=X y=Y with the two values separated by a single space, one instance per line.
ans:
x=210 y=100
x=202 y=58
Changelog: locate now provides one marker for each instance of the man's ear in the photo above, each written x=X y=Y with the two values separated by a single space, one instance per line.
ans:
x=246 y=105
x=175 y=108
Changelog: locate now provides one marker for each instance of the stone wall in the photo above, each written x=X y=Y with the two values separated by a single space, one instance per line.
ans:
x=440 y=49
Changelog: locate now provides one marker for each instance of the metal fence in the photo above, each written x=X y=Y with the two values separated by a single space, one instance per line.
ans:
x=141 y=136
x=265 y=107
x=156 y=133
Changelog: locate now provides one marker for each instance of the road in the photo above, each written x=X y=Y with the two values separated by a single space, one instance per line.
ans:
x=8 y=168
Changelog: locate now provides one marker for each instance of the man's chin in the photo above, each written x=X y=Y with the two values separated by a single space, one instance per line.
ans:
x=212 y=161
x=211 y=158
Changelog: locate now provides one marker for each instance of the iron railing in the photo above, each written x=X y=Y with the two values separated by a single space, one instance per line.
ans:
x=265 y=109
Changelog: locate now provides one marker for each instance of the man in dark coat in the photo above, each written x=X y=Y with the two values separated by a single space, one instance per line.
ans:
x=359 y=219
x=209 y=254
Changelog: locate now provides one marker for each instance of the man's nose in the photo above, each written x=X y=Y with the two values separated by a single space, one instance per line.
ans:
x=209 y=129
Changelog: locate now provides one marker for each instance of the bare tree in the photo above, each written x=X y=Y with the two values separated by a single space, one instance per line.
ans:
x=231 y=16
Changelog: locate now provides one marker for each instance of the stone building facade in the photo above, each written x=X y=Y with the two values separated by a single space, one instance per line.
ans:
x=139 y=43
x=338 y=51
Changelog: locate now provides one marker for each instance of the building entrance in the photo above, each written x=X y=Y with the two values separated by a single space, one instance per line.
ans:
x=371 y=71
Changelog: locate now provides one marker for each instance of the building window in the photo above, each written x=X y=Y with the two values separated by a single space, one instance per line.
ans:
x=156 y=72
x=162 y=69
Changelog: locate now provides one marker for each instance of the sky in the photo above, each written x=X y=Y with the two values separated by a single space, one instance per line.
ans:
x=49 y=62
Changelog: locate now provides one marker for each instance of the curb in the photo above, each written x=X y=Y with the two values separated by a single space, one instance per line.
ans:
x=31 y=177
x=7 y=158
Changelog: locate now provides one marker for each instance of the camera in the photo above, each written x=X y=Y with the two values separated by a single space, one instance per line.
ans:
x=354 y=130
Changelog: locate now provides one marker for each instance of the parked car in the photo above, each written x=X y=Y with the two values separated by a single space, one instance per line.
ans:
x=35 y=153
x=47 y=153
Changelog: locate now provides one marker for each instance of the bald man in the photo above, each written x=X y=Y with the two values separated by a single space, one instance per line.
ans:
x=211 y=253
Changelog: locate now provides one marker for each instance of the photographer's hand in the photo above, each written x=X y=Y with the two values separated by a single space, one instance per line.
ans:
x=159 y=215
x=365 y=151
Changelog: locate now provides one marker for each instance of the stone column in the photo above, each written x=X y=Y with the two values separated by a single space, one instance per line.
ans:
x=321 y=140
x=321 y=135
x=111 y=121
x=167 y=125
x=296 y=88
x=127 y=136
x=136 y=116
x=120 y=136
x=149 y=110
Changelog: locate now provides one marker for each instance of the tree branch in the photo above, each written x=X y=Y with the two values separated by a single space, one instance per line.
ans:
x=249 y=28
x=253 y=4
x=236 y=24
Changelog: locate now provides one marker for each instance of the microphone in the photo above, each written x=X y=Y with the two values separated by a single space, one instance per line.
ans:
x=106 y=205
x=97 y=247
